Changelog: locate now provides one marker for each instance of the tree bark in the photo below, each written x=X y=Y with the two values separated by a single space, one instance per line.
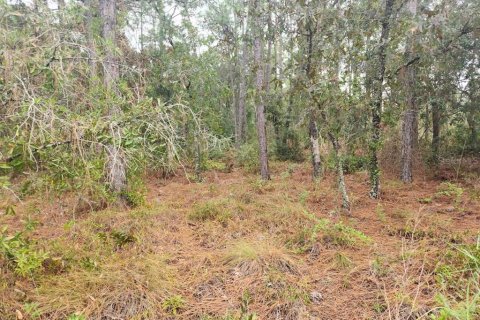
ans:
x=108 y=12
x=260 y=96
x=312 y=128
x=435 y=132
x=116 y=164
x=241 y=112
x=88 y=21
x=339 y=167
x=279 y=55
x=473 y=139
x=314 y=145
x=376 y=89
x=472 y=113
x=410 y=122
x=407 y=145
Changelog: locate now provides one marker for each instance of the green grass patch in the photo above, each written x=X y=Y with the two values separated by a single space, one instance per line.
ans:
x=210 y=210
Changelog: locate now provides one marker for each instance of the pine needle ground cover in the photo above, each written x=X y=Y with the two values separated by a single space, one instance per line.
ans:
x=234 y=247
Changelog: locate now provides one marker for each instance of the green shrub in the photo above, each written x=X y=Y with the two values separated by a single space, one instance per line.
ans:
x=344 y=236
x=450 y=190
x=173 y=304
x=211 y=164
x=426 y=200
x=122 y=238
x=116 y=238
x=32 y=310
x=88 y=264
x=20 y=255
x=135 y=195
x=210 y=210
x=134 y=198
x=459 y=279
x=351 y=163
x=247 y=157
x=466 y=309
x=290 y=149
x=337 y=234
x=260 y=186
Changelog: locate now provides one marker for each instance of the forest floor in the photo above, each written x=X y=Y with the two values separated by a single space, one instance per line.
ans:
x=234 y=247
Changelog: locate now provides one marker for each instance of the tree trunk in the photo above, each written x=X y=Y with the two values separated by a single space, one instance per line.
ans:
x=268 y=59
x=241 y=113
x=116 y=164
x=339 y=167
x=88 y=21
x=376 y=88
x=286 y=129
x=198 y=161
x=314 y=145
x=312 y=128
x=473 y=139
x=472 y=113
x=407 y=145
x=279 y=56
x=435 y=132
x=260 y=88
x=410 y=122
x=235 y=103
x=110 y=68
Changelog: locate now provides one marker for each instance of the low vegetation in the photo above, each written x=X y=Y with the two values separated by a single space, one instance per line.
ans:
x=247 y=250
x=239 y=160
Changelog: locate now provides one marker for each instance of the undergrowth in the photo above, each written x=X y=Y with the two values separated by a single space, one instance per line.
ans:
x=210 y=210
x=459 y=280
x=20 y=254
x=332 y=234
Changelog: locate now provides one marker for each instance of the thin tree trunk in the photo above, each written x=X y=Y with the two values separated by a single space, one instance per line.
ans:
x=472 y=114
x=235 y=103
x=376 y=87
x=435 y=132
x=410 y=122
x=279 y=56
x=241 y=114
x=339 y=167
x=116 y=164
x=312 y=127
x=314 y=145
x=233 y=75
x=268 y=59
x=286 y=129
x=141 y=26
x=473 y=139
x=88 y=20
x=198 y=161
x=407 y=145
x=426 y=128
x=260 y=87
x=108 y=12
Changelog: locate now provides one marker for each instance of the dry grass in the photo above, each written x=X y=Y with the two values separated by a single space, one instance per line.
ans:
x=255 y=258
x=233 y=246
x=125 y=287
